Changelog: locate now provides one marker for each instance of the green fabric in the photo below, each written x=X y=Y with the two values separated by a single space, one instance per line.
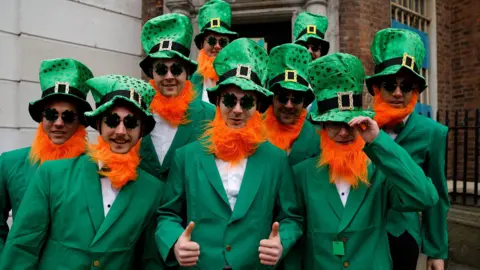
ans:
x=294 y=59
x=332 y=75
x=194 y=192
x=199 y=113
x=210 y=15
x=61 y=70
x=306 y=145
x=173 y=26
x=391 y=43
x=61 y=224
x=104 y=85
x=16 y=171
x=197 y=82
x=241 y=52
x=396 y=182
x=307 y=20
x=425 y=141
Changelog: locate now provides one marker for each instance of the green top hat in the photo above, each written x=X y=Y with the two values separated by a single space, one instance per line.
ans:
x=110 y=89
x=308 y=25
x=215 y=16
x=167 y=36
x=62 y=78
x=242 y=63
x=288 y=67
x=395 y=49
x=337 y=81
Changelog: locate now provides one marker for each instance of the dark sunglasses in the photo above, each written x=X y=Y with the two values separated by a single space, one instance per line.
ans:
x=52 y=115
x=129 y=121
x=212 y=41
x=405 y=87
x=295 y=98
x=246 y=102
x=314 y=47
x=176 y=69
x=335 y=127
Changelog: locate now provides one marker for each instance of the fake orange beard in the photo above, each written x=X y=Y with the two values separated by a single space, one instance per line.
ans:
x=345 y=162
x=122 y=168
x=205 y=66
x=386 y=115
x=44 y=149
x=282 y=136
x=230 y=144
x=173 y=109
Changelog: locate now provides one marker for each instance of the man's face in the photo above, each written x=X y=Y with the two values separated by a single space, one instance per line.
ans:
x=340 y=132
x=60 y=121
x=121 y=129
x=288 y=105
x=213 y=43
x=396 y=90
x=237 y=106
x=314 y=48
x=170 y=76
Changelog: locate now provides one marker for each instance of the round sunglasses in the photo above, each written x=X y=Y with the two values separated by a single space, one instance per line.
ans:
x=405 y=87
x=176 y=69
x=51 y=115
x=335 y=127
x=295 y=98
x=129 y=121
x=230 y=101
x=212 y=41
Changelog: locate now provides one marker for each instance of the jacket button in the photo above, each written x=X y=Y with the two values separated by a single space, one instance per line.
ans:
x=344 y=240
x=346 y=264
x=96 y=263
x=228 y=248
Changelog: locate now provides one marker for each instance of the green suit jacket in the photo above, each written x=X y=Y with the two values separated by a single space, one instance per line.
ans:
x=194 y=192
x=61 y=222
x=306 y=145
x=425 y=141
x=16 y=171
x=197 y=81
x=360 y=227
x=199 y=113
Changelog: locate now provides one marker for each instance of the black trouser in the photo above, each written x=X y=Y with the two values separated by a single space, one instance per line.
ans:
x=404 y=251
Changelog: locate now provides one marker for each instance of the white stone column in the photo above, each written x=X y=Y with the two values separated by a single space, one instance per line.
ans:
x=184 y=7
x=316 y=6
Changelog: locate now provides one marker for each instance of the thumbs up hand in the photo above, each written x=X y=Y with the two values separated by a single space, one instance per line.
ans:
x=187 y=251
x=271 y=249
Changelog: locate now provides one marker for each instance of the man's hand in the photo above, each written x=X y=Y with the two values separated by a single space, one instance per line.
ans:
x=435 y=264
x=271 y=249
x=186 y=251
x=366 y=126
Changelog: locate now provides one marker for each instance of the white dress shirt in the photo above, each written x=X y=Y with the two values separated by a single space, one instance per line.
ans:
x=232 y=177
x=207 y=83
x=162 y=136
x=392 y=133
x=109 y=193
x=343 y=189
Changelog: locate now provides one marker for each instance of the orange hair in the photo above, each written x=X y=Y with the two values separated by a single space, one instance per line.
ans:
x=282 y=136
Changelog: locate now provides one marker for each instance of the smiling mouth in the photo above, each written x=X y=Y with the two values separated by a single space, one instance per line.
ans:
x=117 y=141
x=58 y=132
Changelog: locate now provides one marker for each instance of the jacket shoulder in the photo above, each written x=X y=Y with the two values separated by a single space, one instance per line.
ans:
x=15 y=155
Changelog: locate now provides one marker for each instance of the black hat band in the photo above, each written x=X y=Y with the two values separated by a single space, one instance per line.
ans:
x=130 y=94
x=64 y=87
x=311 y=29
x=215 y=23
x=241 y=71
x=170 y=45
x=406 y=61
x=288 y=76
x=345 y=101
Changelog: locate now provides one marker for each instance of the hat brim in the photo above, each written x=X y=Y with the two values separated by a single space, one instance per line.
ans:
x=146 y=64
x=324 y=45
x=293 y=86
x=36 y=108
x=148 y=121
x=392 y=70
x=217 y=30
x=264 y=95
x=336 y=115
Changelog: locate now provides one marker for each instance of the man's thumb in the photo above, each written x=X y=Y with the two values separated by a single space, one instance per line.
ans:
x=188 y=231
x=274 y=232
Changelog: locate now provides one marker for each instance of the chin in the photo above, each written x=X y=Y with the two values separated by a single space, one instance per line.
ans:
x=120 y=149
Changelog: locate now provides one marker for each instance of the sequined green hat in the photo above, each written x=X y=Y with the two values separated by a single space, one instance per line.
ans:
x=288 y=67
x=395 y=49
x=308 y=25
x=214 y=16
x=64 y=79
x=167 y=36
x=108 y=90
x=337 y=81
x=242 y=63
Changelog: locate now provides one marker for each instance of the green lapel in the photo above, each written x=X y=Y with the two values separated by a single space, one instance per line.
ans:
x=322 y=174
x=211 y=170
x=150 y=161
x=197 y=81
x=409 y=126
x=93 y=192
x=250 y=184
x=300 y=145
x=354 y=201
x=119 y=206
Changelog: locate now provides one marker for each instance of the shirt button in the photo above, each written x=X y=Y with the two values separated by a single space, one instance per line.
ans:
x=96 y=263
x=346 y=264
x=108 y=205
x=228 y=248
x=343 y=193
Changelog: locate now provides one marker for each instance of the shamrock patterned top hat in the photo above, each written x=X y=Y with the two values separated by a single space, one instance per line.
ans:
x=242 y=63
x=214 y=16
x=62 y=78
x=288 y=67
x=396 y=49
x=308 y=25
x=108 y=90
x=167 y=36
x=337 y=81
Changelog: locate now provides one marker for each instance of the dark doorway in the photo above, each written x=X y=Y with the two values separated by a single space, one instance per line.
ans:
x=274 y=34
